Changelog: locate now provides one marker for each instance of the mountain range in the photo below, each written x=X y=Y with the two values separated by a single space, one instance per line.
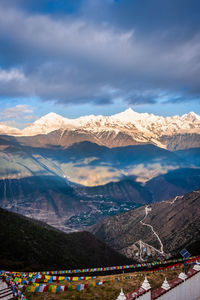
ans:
x=157 y=230
x=71 y=173
x=123 y=129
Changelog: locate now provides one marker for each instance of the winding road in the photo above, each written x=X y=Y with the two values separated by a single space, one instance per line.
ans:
x=147 y=210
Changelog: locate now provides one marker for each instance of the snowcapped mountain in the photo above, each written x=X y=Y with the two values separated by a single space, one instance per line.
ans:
x=127 y=120
x=125 y=128
x=46 y=124
x=158 y=125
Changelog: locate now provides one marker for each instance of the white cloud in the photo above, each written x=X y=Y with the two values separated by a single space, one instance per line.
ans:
x=149 y=171
x=13 y=74
x=17 y=112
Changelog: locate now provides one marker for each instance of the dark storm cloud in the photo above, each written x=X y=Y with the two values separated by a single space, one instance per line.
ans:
x=99 y=51
x=154 y=15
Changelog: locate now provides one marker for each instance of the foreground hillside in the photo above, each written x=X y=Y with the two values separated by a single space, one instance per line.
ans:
x=32 y=245
x=111 y=286
x=156 y=230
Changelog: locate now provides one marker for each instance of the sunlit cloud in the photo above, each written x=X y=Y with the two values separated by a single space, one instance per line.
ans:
x=146 y=172
x=14 y=116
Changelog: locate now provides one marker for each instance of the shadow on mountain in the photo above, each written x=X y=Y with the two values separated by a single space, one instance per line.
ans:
x=174 y=183
x=32 y=245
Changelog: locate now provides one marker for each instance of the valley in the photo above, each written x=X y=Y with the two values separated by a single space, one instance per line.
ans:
x=74 y=173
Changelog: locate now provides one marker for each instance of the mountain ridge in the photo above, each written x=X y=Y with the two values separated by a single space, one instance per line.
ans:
x=134 y=127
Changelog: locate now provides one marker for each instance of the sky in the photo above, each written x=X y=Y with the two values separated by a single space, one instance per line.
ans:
x=79 y=57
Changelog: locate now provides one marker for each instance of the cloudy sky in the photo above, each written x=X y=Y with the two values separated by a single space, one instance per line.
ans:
x=77 y=57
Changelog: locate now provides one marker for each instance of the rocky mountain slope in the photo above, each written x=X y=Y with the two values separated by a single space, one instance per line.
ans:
x=28 y=244
x=156 y=230
x=126 y=128
x=181 y=141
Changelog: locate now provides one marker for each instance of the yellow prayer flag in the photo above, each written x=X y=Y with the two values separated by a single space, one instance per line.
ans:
x=54 y=289
x=32 y=288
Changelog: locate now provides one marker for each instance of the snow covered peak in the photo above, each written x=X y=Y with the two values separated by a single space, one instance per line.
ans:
x=46 y=124
x=127 y=115
x=128 y=111
x=52 y=115
x=51 y=118
x=191 y=116
x=145 y=125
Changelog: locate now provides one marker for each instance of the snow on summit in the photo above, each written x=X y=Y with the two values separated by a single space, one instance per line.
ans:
x=128 y=120
x=46 y=124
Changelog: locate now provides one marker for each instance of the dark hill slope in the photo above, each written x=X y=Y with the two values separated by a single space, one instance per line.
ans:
x=126 y=190
x=191 y=155
x=32 y=245
x=47 y=198
x=172 y=224
x=173 y=183
x=122 y=156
